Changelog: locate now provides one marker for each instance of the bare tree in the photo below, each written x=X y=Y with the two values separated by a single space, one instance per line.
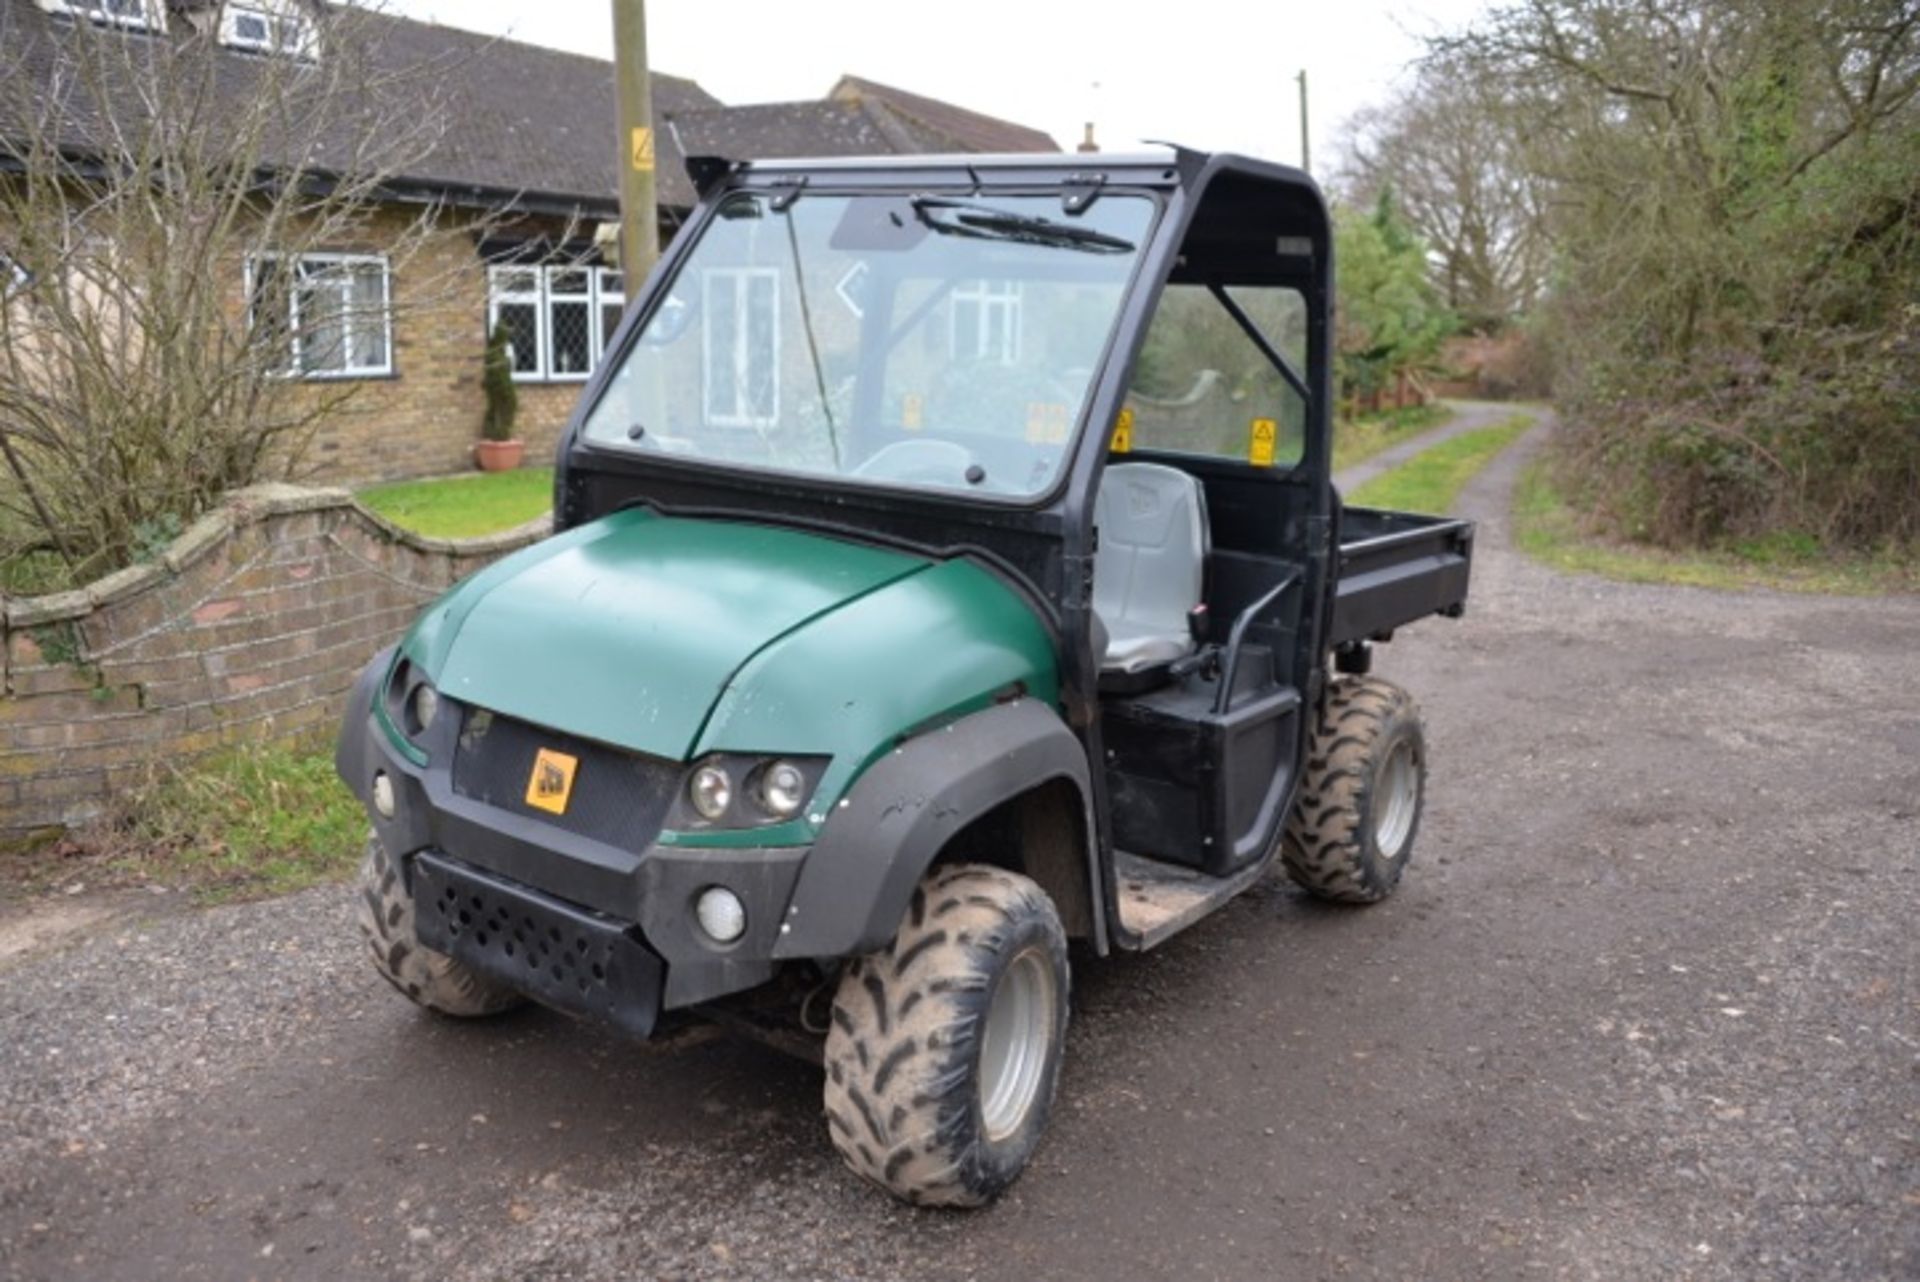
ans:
x=170 y=315
x=1449 y=153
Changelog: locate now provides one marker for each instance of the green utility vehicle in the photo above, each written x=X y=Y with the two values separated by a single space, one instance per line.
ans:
x=947 y=568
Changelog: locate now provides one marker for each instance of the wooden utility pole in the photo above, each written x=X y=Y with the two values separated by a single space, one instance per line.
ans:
x=639 y=221
x=1306 y=157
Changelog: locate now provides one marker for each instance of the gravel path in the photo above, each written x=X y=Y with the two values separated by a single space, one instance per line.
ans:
x=1468 y=416
x=1645 y=1008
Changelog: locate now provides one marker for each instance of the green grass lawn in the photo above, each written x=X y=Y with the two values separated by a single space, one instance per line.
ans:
x=462 y=507
x=1358 y=440
x=1547 y=527
x=1430 y=481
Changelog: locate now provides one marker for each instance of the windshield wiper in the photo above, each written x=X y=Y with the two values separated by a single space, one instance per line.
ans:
x=983 y=222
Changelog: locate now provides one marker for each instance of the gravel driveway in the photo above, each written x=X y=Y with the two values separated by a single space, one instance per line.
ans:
x=1644 y=1008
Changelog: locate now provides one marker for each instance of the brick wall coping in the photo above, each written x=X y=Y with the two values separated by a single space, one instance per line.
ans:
x=242 y=508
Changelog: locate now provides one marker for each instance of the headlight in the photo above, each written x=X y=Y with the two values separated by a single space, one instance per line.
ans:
x=412 y=703
x=782 y=790
x=736 y=790
x=425 y=707
x=710 y=791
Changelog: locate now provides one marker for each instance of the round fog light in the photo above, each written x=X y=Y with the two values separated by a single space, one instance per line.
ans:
x=383 y=794
x=721 y=914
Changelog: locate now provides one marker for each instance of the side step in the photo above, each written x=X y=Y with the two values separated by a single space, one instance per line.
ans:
x=1159 y=900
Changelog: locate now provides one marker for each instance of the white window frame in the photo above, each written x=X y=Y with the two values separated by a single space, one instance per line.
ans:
x=298 y=261
x=536 y=297
x=587 y=297
x=599 y=294
x=607 y=295
x=278 y=15
x=986 y=297
x=738 y=279
x=152 y=15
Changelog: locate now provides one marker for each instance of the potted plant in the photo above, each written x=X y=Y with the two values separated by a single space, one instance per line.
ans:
x=499 y=450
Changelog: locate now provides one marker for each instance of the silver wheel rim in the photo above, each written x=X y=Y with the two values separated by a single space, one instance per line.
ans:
x=1396 y=801
x=1015 y=1043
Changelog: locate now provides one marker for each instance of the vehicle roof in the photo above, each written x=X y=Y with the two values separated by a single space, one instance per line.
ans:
x=962 y=159
x=1169 y=166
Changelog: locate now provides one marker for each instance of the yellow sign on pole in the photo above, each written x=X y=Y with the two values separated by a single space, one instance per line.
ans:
x=1122 y=433
x=1261 y=441
x=643 y=149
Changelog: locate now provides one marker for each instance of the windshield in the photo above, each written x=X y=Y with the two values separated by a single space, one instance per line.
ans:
x=912 y=341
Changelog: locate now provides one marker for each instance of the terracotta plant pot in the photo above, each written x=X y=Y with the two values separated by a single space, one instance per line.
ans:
x=499 y=456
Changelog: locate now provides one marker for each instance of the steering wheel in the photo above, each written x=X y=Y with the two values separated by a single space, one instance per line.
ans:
x=939 y=462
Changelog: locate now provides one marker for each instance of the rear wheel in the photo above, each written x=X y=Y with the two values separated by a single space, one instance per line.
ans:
x=424 y=977
x=945 y=1046
x=1352 y=829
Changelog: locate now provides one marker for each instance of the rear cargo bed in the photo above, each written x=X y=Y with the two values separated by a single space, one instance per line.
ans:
x=1396 y=567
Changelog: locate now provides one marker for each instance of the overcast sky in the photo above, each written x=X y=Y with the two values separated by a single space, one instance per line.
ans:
x=1208 y=73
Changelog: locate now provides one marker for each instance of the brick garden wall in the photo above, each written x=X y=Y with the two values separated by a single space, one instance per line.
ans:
x=253 y=625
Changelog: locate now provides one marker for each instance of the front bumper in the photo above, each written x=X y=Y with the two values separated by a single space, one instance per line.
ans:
x=565 y=957
x=631 y=909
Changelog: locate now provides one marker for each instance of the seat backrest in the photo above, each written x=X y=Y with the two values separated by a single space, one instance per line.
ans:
x=1150 y=569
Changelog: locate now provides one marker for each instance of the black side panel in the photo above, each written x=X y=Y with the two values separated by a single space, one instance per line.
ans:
x=1195 y=787
x=855 y=887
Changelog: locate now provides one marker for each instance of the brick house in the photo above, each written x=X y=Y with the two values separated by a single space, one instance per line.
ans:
x=529 y=148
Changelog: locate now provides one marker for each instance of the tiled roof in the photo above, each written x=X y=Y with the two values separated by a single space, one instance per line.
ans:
x=524 y=118
x=517 y=118
x=964 y=130
x=823 y=128
x=520 y=119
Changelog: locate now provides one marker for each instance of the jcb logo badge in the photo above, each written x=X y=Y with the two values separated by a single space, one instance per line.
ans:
x=552 y=781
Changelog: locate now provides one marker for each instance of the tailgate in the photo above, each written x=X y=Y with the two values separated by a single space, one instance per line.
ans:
x=1396 y=567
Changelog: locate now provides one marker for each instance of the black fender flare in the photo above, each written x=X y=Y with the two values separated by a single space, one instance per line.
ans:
x=884 y=834
x=352 y=757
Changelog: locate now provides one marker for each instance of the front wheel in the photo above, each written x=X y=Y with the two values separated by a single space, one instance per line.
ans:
x=424 y=977
x=945 y=1046
x=1352 y=828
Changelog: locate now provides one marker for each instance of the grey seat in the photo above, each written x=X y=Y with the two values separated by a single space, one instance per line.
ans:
x=1150 y=569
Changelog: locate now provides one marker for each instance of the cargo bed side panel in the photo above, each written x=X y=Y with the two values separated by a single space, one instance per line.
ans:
x=1396 y=568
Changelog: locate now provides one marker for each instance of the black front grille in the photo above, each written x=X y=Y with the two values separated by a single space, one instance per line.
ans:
x=618 y=797
x=566 y=957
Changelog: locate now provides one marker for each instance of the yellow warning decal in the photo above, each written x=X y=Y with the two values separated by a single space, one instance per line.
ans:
x=1122 y=433
x=1260 y=442
x=642 y=149
x=551 y=784
x=910 y=411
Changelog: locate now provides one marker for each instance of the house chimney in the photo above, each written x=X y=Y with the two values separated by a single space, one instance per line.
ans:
x=1087 y=144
